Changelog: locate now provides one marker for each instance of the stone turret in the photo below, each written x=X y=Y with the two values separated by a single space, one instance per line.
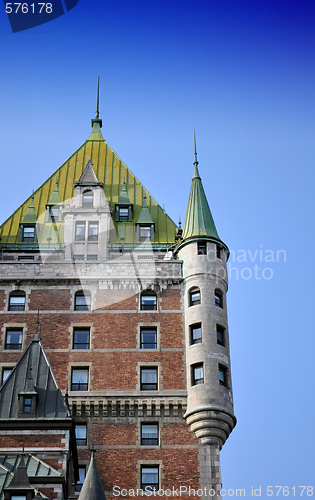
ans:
x=210 y=402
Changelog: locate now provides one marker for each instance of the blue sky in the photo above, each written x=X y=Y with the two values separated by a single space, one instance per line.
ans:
x=241 y=73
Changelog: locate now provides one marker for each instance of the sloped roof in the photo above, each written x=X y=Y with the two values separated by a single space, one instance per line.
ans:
x=92 y=488
x=30 y=215
x=50 y=403
x=35 y=468
x=55 y=197
x=198 y=220
x=145 y=216
x=111 y=171
x=123 y=197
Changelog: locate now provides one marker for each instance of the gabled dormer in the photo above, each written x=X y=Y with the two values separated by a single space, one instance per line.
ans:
x=19 y=487
x=28 y=397
x=53 y=207
x=123 y=208
x=145 y=224
x=28 y=231
x=88 y=191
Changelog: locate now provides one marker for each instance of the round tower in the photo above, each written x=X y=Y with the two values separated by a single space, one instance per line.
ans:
x=210 y=401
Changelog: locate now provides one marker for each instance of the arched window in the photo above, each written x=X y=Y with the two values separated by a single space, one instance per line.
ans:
x=17 y=301
x=218 y=298
x=82 y=301
x=194 y=296
x=88 y=199
x=148 y=301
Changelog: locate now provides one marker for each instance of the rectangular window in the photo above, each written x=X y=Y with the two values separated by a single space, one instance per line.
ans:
x=17 y=302
x=218 y=252
x=145 y=233
x=148 y=301
x=81 y=338
x=54 y=214
x=148 y=338
x=28 y=234
x=5 y=373
x=197 y=374
x=80 y=231
x=27 y=405
x=81 y=434
x=18 y=497
x=223 y=375
x=195 y=333
x=149 y=477
x=123 y=214
x=148 y=379
x=220 y=335
x=13 y=339
x=93 y=231
x=218 y=298
x=194 y=297
x=88 y=199
x=82 y=472
x=82 y=301
x=79 y=379
x=202 y=248
x=149 y=434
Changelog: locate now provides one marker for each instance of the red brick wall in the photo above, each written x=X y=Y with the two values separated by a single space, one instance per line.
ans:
x=33 y=441
x=49 y=299
x=170 y=299
x=2 y=297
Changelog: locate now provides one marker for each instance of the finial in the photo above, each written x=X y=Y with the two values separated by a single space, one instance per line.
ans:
x=179 y=222
x=195 y=149
x=97 y=113
x=93 y=445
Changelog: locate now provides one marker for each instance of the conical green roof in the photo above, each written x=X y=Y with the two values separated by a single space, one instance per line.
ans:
x=30 y=216
x=145 y=216
x=55 y=196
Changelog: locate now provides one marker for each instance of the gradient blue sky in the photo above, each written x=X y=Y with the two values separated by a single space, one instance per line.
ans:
x=241 y=73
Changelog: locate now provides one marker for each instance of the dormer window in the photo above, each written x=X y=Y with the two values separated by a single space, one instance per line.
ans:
x=54 y=213
x=145 y=233
x=27 y=405
x=28 y=234
x=88 y=199
x=123 y=214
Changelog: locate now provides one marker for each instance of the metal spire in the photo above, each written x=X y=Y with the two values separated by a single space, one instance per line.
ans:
x=97 y=114
x=195 y=149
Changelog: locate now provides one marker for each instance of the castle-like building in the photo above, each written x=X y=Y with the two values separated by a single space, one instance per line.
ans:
x=114 y=351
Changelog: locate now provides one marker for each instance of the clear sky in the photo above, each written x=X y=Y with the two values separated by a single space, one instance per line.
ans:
x=242 y=74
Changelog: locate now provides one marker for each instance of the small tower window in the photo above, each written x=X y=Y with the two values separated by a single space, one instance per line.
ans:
x=195 y=334
x=202 y=248
x=88 y=199
x=223 y=375
x=218 y=298
x=148 y=338
x=81 y=434
x=150 y=478
x=80 y=231
x=79 y=379
x=93 y=231
x=194 y=296
x=148 y=301
x=197 y=374
x=149 y=434
x=219 y=252
x=220 y=335
x=149 y=379
x=28 y=235
x=82 y=301
x=17 y=301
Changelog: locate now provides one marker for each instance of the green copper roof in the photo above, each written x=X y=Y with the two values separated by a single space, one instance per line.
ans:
x=55 y=196
x=123 y=197
x=110 y=171
x=145 y=216
x=199 y=220
x=30 y=216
